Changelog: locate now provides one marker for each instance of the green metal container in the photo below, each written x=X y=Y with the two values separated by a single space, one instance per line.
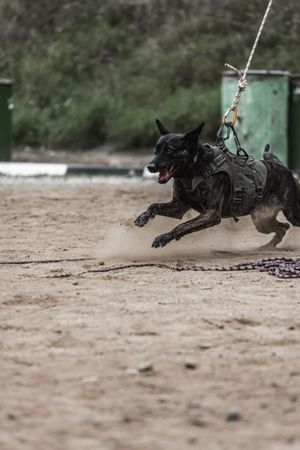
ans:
x=262 y=113
x=6 y=107
x=294 y=124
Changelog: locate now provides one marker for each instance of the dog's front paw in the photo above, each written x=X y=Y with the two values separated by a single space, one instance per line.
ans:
x=162 y=240
x=142 y=220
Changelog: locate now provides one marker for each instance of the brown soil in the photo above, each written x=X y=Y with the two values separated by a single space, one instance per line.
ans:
x=71 y=345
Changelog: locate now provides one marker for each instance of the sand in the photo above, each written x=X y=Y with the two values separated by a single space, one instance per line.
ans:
x=142 y=359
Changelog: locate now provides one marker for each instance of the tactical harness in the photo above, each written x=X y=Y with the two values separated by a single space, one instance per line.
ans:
x=246 y=174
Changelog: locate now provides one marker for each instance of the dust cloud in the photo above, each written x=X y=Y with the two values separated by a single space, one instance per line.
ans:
x=126 y=242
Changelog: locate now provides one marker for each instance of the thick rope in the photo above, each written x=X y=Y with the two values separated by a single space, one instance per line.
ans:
x=242 y=83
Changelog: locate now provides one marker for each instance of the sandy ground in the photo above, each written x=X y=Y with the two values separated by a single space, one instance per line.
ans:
x=71 y=346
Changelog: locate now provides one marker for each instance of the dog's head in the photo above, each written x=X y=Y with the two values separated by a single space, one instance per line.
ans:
x=174 y=153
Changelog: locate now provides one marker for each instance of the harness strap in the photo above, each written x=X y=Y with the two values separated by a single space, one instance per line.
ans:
x=237 y=192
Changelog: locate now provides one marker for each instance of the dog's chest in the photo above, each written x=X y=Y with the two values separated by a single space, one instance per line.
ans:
x=184 y=191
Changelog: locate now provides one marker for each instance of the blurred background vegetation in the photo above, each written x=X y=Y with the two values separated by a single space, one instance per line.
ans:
x=89 y=72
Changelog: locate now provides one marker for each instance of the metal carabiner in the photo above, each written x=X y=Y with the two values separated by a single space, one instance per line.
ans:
x=234 y=110
x=220 y=132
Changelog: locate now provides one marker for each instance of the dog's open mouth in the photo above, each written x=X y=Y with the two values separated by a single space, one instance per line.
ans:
x=165 y=174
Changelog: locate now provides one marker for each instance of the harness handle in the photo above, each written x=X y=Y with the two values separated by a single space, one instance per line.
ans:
x=221 y=139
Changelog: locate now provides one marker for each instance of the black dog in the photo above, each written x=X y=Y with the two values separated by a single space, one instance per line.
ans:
x=199 y=186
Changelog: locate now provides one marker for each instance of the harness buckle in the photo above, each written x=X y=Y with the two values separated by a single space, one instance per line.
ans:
x=237 y=197
x=218 y=161
x=259 y=195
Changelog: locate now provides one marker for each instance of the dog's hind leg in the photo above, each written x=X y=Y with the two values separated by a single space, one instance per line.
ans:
x=265 y=222
x=292 y=215
x=291 y=205
x=291 y=201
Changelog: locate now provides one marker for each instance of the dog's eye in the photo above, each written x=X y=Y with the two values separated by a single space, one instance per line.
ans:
x=169 y=151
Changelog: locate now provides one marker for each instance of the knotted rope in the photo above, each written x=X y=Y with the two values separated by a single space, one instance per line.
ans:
x=242 y=83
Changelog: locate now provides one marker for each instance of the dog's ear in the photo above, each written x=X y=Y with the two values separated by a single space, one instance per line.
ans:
x=192 y=136
x=162 y=129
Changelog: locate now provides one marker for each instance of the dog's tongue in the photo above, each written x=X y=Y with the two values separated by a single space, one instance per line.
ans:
x=164 y=175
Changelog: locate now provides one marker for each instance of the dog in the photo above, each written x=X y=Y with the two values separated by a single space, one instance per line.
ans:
x=182 y=157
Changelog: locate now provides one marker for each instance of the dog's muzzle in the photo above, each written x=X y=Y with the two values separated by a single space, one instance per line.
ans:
x=152 y=168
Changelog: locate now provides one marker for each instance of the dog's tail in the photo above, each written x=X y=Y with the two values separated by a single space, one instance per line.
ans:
x=269 y=156
x=298 y=190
